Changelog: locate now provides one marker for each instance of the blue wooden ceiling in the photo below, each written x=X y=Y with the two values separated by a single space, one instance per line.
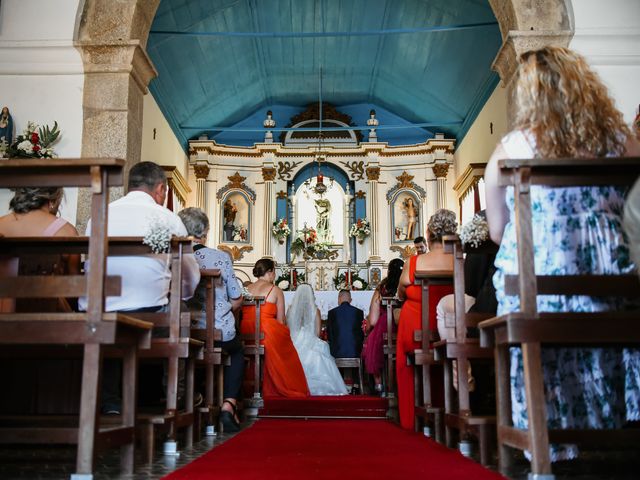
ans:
x=225 y=62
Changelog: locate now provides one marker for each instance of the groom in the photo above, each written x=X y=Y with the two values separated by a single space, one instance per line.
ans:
x=344 y=328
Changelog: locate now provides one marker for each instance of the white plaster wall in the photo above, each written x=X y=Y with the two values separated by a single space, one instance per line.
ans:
x=165 y=148
x=608 y=34
x=479 y=143
x=41 y=75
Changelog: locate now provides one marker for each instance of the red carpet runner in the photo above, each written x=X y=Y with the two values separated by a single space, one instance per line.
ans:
x=330 y=449
x=342 y=406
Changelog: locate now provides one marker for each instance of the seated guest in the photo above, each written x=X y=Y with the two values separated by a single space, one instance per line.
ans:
x=283 y=373
x=33 y=214
x=632 y=222
x=373 y=351
x=303 y=320
x=145 y=279
x=420 y=244
x=443 y=222
x=564 y=110
x=344 y=328
x=228 y=297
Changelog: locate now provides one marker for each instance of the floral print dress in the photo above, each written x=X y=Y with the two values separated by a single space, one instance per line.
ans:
x=577 y=230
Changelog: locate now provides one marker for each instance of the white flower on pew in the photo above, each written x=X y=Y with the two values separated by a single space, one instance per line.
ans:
x=158 y=237
x=475 y=232
x=246 y=294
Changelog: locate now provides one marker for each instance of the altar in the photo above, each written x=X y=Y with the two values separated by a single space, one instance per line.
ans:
x=326 y=300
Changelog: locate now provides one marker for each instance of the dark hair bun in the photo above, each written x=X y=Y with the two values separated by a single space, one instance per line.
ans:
x=263 y=266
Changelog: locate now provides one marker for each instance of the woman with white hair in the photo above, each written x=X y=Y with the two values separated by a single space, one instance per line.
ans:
x=303 y=319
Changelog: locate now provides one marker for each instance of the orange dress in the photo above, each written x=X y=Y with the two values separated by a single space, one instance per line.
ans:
x=410 y=320
x=283 y=373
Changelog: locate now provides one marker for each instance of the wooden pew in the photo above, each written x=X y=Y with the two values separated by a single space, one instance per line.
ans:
x=461 y=349
x=255 y=351
x=90 y=333
x=214 y=359
x=389 y=351
x=426 y=412
x=530 y=328
x=179 y=344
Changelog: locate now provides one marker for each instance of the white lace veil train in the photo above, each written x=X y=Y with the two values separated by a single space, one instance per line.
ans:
x=301 y=316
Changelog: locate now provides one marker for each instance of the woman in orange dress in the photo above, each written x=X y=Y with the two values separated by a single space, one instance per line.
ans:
x=283 y=373
x=443 y=222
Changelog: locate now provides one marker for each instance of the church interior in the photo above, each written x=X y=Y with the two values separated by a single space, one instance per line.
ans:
x=325 y=138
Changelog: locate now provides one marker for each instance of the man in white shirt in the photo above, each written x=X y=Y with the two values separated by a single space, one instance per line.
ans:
x=145 y=279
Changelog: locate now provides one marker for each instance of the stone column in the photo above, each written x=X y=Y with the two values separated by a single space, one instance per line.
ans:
x=440 y=170
x=269 y=176
x=202 y=173
x=373 y=175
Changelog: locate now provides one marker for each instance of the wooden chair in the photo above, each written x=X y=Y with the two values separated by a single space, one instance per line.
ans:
x=253 y=350
x=214 y=359
x=456 y=353
x=91 y=334
x=352 y=363
x=426 y=412
x=179 y=344
x=529 y=328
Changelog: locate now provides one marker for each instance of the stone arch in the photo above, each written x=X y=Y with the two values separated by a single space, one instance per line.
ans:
x=112 y=36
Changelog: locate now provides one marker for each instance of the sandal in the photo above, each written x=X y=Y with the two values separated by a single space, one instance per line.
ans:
x=227 y=419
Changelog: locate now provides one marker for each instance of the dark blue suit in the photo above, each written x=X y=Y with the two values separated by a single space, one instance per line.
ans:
x=344 y=329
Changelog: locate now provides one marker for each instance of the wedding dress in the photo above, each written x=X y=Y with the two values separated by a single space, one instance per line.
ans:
x=319 y=366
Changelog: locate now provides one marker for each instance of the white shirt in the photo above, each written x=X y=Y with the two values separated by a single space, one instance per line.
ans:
x=145 y=279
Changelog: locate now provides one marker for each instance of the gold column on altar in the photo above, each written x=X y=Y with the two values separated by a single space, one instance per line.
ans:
x=440 y=170
x=373 y=175
x=202 y=173
x=268 y=175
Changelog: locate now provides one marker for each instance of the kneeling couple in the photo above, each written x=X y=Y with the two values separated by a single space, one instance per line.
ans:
x=297 y=363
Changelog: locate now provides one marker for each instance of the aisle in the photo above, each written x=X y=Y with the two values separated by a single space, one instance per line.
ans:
x=330 y=449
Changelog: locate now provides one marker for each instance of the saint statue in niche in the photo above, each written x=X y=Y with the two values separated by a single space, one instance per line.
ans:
x=230 y=211
x=6 y=126
x=411 y=212
x=323 y=209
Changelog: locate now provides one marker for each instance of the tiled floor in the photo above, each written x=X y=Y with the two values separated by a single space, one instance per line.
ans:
x=58 y=463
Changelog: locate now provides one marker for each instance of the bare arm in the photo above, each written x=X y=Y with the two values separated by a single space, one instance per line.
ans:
x=497 y=212
x=374 y=310
x=190 y=275
x=404 y=282
x=281 y=317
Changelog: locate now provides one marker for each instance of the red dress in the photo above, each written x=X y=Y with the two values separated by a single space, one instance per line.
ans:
x=410 y=320
x=283 y=373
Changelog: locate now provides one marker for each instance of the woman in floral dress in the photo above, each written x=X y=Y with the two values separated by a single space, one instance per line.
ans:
x=563 y=110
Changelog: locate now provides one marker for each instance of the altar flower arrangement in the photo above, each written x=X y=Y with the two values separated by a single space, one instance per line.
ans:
x=349 y=281
x=475 y=232
x=158 y=236
x=240 y=233
x=34 y=142
x=289 y=280
x=361 y=229
x=281 y=230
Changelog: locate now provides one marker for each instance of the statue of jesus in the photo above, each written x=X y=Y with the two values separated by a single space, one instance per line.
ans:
x=323 y=209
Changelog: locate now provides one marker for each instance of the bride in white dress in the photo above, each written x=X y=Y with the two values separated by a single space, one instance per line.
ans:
x=303 y=320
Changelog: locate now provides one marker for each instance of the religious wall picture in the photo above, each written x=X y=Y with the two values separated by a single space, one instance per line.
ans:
x=235 y=217
x=405 y=217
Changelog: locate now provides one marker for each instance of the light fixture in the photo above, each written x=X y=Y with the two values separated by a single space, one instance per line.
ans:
x=269 y=123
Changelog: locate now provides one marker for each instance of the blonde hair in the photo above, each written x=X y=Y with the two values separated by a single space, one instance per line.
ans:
x=566 y=107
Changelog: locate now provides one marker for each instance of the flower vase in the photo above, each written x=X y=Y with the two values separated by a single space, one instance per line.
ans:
x=281 y=241
x=361 y=240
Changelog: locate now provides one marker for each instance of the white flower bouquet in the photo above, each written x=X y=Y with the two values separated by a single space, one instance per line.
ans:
x=34 y=142
x=281 y=230
x=158 y=236
x=475 y=232
x=283 y=285
x=361 y=229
